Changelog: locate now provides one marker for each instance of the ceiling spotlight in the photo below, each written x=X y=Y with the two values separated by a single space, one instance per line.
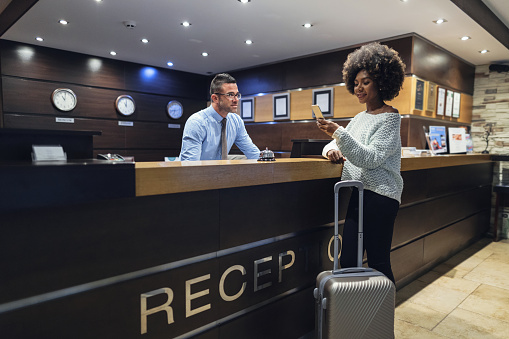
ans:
x=205 y=54
x=244 y=1
x=39 y=38
x=113 y=53
x=144 y=40
x=484 y=51
x=63 y=22
x=170 y=64
x=186 y=24
x=249 y=42
x=465 y=38
x=307 y=25
x=440 y=21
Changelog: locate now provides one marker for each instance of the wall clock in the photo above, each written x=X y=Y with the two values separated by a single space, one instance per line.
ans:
x=125 y=105
x=174 y=109
x=64 y=99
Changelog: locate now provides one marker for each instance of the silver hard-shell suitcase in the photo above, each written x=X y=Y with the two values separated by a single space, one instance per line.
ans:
x=353 y=302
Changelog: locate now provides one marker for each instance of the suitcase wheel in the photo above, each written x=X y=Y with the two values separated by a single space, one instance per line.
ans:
x=324 y=303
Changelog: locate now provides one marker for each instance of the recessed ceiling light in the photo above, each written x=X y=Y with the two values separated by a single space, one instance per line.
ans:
x=186 y=24
x=144 y=40
x=113 y=53
x=98 y=0
x=244 y=1
x=39 y=38
x=484 y=51
x=205 y=54
x=440 y=21
x=465 y=38
x=404 y=0
x=307 y=25
x=249 y=42
x=169 y=63
x=63 y=22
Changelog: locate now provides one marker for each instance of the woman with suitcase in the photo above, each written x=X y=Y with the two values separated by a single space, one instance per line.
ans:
x=370 y=147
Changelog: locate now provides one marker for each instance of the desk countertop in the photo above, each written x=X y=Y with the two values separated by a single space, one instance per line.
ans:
x=154 y=178
x=418 y=163
x=187 y=176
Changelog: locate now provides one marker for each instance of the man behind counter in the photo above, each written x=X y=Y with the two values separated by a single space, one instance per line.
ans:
x=201 y=139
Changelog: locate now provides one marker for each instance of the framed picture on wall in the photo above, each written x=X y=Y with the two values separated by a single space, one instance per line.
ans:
x=449 y=101
x=419 y=95
x=247 y=109
x=432 y=97
x=456 y=105
x=281 y=106
x=441 y=101
x=324 y=97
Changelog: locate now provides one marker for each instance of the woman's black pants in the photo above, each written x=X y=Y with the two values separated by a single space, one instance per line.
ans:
x=379 y=216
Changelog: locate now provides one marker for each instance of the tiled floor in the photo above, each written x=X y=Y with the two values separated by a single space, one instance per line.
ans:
x=465 y=297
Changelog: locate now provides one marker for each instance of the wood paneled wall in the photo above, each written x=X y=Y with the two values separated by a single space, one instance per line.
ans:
x=278 y=136
x=31 y=73
x=419 y=55
x=347 y=105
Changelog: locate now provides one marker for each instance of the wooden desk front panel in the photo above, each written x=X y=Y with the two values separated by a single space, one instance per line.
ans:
x=95 y=261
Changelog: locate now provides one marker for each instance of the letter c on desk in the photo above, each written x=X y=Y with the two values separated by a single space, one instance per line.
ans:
x=331 y=242
x=223 y=278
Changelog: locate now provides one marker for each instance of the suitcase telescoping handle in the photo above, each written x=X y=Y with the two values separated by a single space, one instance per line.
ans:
x=360 y=250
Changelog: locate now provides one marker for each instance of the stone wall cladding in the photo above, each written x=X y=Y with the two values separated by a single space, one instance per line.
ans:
x=491 y=105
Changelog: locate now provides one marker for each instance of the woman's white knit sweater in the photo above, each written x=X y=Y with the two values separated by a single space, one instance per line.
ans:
x=371 y=144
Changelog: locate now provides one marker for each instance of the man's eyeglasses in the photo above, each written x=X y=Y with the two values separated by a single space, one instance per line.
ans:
x=231 y=95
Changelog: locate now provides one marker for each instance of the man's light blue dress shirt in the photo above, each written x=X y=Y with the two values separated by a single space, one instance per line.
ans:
x=202 y=136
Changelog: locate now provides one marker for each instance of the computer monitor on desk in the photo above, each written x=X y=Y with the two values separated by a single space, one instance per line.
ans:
x=303 y=148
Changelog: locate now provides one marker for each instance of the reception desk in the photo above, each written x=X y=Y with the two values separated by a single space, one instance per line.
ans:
x=215 y=249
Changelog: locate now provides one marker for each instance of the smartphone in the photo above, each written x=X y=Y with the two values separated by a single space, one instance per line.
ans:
x=318 y=112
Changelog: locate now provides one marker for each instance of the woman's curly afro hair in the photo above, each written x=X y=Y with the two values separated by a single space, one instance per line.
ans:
x=382 y=63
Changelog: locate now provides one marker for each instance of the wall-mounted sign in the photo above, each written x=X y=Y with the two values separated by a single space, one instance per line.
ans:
x=456 y=105
x=432 y=97
x=419 y=95
x=441 y=101
x=247 y=109
x=281 y=106
x=324 y=97
x=449 y=100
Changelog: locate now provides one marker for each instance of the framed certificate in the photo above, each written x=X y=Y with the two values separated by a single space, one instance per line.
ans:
x=432 y=97
x=247 y=109
x=281 y=106
x=324 y=97
x=456 y=105
x=441 y=101
x=449 y=101
x=419 y=95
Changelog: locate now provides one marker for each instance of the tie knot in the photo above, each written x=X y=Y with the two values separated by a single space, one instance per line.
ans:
x=223 y=122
